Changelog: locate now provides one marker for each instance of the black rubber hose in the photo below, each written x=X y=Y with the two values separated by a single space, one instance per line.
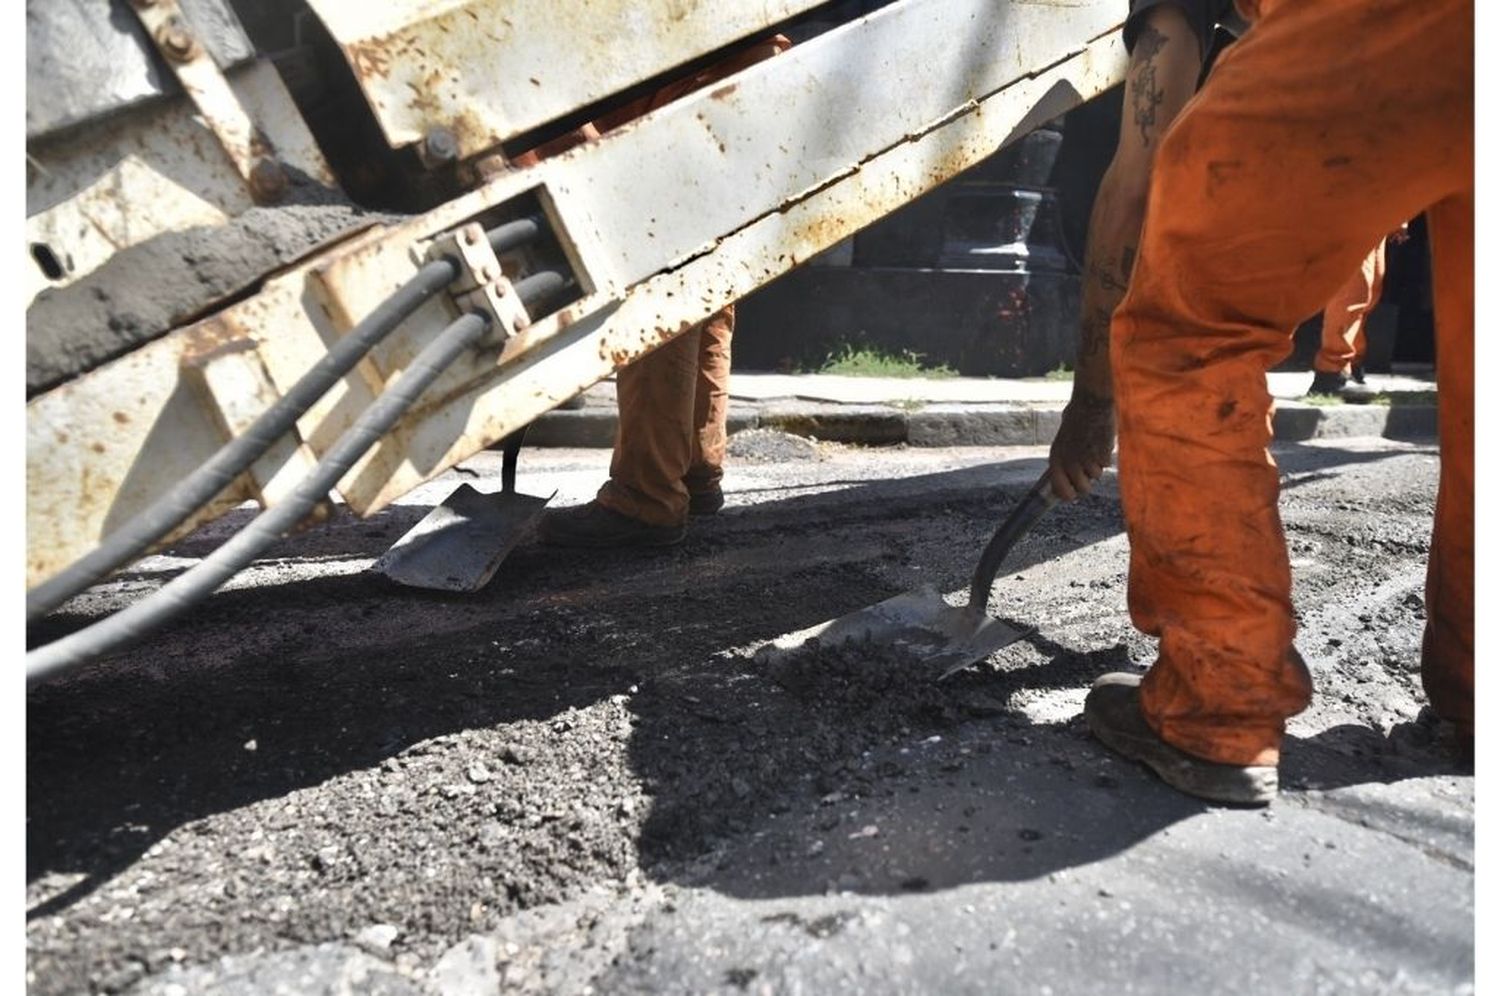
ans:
x=150 y=525
x=182 y=592
x=1016 y=525
x=539 y=288
x=514 y=234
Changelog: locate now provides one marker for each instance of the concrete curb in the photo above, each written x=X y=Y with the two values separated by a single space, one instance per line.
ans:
x=975 y=424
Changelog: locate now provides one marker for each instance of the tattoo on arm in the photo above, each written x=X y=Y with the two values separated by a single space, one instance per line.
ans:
x=1106 y=278
x=1145 y=95
x=1095 y=339
x=1116 y=282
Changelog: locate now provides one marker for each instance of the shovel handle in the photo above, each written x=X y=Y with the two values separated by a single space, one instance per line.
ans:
x=1016 y=525
x=511 y=446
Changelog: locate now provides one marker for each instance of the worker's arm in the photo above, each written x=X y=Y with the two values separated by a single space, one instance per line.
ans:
x=1163 y=73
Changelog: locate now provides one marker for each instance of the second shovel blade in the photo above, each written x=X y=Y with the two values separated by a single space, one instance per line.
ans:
x=459 y=545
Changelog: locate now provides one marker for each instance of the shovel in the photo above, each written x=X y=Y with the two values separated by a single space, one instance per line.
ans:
x=459 y=545
x=944 y=637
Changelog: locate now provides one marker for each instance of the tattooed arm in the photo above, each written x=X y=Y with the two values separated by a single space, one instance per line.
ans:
x=1163 y=73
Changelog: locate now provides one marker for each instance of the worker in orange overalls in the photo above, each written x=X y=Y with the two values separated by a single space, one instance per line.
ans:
x=1324 y=128
x=1338 y=369
x=673 y=402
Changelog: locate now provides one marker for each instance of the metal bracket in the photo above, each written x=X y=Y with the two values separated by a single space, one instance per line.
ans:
x=481 y=284
x=242 y=140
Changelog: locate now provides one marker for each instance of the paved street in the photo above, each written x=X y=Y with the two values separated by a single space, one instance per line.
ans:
x=582 y=779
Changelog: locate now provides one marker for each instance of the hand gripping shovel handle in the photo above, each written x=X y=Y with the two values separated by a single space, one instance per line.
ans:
x=1016 y=525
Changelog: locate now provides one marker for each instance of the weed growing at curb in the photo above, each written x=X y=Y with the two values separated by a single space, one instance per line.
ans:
x=866 y=362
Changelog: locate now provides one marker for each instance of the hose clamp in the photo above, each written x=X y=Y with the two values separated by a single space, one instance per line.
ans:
x=481 y=285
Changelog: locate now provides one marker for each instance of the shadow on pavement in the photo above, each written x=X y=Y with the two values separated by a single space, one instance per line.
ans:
x=266 y=691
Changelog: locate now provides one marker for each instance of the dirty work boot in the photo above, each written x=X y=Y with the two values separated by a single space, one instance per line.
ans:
x=1113 y=712
x=1336 y=385
x=594 y=525
x=706 y=502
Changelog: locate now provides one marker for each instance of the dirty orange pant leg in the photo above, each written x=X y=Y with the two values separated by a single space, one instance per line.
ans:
x=1300 y=153
x=1343 y=344
x=1448 y=643
x=711 y=403
x=673 y=403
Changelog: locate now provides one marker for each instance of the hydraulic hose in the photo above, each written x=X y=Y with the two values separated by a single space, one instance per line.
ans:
x=150 y=525
x=514 y=234
x=136 y=620
x=539 y=288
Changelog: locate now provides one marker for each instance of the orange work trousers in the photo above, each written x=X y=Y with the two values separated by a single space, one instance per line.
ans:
x=1318 y=133
x=674 y=406
x=674 y=402
x=1343 y=345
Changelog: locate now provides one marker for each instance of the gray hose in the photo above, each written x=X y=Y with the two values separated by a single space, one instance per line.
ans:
x=182 y=592
x=539 y=288
x=514 y=234
x=150 y=525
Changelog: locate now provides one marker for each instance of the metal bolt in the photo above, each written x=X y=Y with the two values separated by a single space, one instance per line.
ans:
x=268 y=181
x=467 y=235
x=176 y=40
x=439 y=147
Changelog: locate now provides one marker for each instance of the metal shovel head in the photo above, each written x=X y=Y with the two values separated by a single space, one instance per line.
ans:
x=459 y=545
x=918 y=623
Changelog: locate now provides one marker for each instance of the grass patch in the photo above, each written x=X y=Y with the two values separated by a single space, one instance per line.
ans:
x=866 y=362
x=1063 y=372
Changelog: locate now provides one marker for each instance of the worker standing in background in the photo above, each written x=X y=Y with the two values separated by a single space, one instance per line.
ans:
x=1338 y=369
x=673 y=403
x=1322 y=130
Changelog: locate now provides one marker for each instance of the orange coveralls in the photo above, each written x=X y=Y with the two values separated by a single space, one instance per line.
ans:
x=1343 y=344
x=674 y=402
x=1317 y=134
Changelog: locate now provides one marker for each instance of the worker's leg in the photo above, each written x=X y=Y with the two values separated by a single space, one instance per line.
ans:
x=1448 y=643
x=1343 y=344
x=1301 y=152
x=711 y=411
x=654 y=444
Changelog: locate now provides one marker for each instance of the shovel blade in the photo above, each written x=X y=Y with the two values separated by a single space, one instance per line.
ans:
x=459 y=545
x=918 y=623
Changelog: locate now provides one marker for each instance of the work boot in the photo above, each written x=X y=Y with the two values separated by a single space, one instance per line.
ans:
x=1336 y=385
x=594 y=525
x=1113 y=712
x=706 y=502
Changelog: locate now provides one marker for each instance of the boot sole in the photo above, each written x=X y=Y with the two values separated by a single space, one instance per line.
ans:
x=1221 y=783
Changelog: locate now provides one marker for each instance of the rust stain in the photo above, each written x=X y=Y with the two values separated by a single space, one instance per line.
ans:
x=723 y=91
x=371 y=57
x=216 y=336
x=121 y=418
